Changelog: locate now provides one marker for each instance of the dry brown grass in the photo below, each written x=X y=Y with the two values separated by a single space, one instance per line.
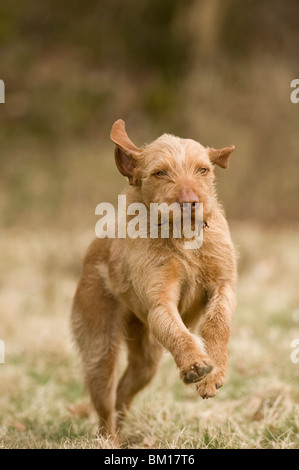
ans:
x=42 y=400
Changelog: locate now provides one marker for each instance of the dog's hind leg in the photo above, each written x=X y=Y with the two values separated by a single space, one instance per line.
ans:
x=97 y=328
x=144 y=353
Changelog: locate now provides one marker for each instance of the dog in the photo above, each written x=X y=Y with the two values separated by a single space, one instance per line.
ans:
x=153 y=293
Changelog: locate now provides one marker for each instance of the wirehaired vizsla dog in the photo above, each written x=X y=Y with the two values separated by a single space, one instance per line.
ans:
x=153 y=293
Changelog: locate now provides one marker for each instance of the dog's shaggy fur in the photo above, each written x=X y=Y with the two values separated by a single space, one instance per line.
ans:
x=154 y=293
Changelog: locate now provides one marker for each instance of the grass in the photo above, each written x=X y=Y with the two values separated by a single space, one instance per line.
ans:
x=42 y=400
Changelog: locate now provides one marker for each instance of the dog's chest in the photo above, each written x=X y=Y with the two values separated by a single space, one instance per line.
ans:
x=193 y=298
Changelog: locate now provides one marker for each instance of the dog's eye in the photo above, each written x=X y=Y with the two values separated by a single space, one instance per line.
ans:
x=160 y=174
x=203 y=171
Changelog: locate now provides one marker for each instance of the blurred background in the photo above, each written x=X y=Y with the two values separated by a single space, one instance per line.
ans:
x=212 y=70
x=217 y=71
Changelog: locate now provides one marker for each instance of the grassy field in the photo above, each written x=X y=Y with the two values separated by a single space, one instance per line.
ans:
x=42 y=400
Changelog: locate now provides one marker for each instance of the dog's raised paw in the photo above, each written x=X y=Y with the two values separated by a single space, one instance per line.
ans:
x=208 y=387
x=196 y=372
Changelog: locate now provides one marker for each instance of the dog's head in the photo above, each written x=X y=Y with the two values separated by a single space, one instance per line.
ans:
x=170 y=169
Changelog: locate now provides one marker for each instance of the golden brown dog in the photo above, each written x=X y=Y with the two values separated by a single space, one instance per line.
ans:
x=153 y=292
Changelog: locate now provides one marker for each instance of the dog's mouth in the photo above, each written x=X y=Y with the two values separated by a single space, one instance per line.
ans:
x=188 y=207
x=185 y=213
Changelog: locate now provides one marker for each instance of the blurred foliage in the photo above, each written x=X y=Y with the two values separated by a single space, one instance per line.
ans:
x=218 y=71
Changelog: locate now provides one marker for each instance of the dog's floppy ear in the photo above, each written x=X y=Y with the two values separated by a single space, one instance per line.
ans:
x=221 y=156
x=126 y=153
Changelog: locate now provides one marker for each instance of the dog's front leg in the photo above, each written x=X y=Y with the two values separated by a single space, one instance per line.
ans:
x=187 y=349
x=215 y=331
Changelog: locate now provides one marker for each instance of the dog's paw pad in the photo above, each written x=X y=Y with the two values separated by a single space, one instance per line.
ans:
x=196 y=372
